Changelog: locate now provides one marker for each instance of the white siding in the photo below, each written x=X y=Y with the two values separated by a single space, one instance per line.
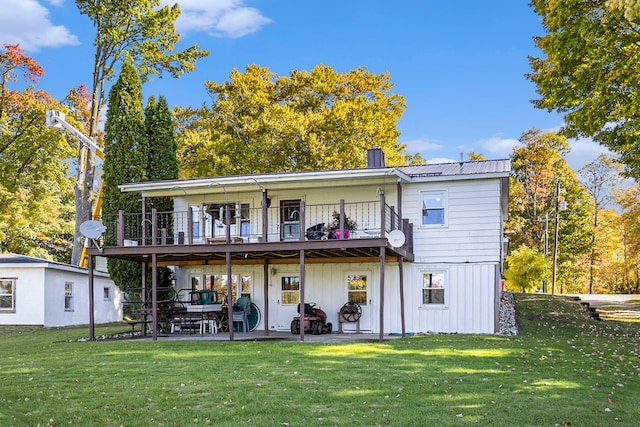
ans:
x=472 y=232
x=104 y=311
x=467 y=248
x=29 y=296
x=40 y=296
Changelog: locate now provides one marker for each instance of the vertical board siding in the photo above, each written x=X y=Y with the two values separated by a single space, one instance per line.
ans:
x=468 y=300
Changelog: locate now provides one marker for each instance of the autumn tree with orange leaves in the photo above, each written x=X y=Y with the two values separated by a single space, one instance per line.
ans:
x=36 y=201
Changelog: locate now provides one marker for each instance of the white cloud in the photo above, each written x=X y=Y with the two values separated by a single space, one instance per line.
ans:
x=421 y=145
x=222 y=18
x=584 y=151
x=437 y=160
x=27 y=22
x=495 y=147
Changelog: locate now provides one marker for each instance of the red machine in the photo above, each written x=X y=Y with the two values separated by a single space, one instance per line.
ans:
x=315 y=321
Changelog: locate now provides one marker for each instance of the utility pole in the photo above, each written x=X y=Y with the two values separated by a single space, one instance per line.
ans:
x=559 y=206
x=545 y=248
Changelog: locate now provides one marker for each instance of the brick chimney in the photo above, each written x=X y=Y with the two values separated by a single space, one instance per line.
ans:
x=375 y=158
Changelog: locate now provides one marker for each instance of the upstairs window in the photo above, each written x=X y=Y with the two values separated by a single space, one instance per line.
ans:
x=433 y=208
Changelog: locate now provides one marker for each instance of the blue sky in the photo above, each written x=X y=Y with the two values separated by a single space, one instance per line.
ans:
x=460 y=65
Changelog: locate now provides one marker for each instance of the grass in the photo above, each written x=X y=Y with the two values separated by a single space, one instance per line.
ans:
x=563 y=369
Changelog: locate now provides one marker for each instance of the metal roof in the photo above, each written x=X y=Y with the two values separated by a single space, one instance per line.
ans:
x=459 y=168
x=456 y=171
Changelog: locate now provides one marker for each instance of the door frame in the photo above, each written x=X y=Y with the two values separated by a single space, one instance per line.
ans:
x=366 y=319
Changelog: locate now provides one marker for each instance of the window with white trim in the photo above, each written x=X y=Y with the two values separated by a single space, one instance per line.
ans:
x=433 y=288
x=68 y=296
x=357 y=288
x=107 y=293
x=290 y=290
x=7 y=295
x=239 y=283
x=433 y=208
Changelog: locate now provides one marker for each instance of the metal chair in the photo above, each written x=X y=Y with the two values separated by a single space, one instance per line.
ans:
x=241 y=312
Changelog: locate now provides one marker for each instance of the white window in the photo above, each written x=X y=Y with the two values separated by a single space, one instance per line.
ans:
x=433 y=288
x=433 y=208
x=68 y=296
x=357 y=288
x=218 y=283
x=195 y=216
x=7 y=295
x=107 y=293
x=290 y=290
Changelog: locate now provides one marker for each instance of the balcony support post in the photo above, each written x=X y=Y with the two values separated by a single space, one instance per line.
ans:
x=265 y=274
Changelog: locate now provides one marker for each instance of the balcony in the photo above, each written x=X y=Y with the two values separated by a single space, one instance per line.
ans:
x=209 y=232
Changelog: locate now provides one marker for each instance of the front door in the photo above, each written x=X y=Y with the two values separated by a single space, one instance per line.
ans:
x=288 y=299
x=358 y=287
x=290 y=219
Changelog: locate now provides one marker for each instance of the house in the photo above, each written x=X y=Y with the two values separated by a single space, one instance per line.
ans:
x=424 y=255
x=34 y=291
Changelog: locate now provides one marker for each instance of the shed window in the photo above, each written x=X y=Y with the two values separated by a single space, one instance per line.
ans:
x=68 y=296
x=7 y=295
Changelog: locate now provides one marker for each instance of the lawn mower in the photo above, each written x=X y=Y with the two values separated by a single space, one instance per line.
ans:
x=315 y=321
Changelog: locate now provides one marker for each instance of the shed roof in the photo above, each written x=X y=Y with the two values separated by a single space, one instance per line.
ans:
x=17 y=260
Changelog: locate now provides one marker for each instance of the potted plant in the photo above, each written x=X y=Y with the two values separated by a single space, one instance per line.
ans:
x=334 y=225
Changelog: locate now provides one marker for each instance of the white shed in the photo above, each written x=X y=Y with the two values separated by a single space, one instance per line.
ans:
x=34 y=291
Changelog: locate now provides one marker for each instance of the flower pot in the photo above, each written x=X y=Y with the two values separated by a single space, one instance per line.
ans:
x=344 y=235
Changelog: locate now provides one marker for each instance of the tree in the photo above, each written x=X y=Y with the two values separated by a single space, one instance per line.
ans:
x=125 y=160
x=541 y=182
x=35 y=187
x=599 y=179
x=590 y=71
x=261 y=122
x=473 y=156
x=142 y=32
x=526 y=269
x=629 y=202
x=536 y=165
x=631 y=9
x=162 y=162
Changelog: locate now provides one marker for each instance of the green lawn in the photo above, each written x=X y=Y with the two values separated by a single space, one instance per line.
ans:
x=563 y=369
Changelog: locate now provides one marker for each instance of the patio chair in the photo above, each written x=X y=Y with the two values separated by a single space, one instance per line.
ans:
x=241 y=312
